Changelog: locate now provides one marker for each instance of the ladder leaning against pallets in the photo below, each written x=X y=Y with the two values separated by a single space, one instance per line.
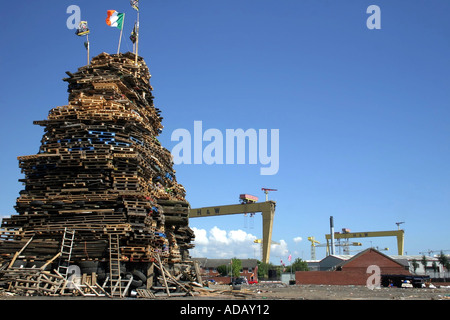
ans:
x=114 y=265
x=66 y=252
x=118 y=286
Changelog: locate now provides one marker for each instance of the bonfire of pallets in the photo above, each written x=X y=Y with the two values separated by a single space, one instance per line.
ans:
x=101 y=172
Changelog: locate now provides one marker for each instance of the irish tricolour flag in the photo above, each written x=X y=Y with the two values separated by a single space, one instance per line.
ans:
x=115 y=19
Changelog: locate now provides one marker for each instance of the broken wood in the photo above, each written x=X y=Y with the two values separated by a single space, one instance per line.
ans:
x=50 y=261
x=161 y=268
x=19 y=252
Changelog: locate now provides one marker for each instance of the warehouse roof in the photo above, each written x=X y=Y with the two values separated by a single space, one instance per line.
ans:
x=401 y=262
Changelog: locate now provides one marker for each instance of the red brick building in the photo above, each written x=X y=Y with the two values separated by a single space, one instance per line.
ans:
x=354 y=270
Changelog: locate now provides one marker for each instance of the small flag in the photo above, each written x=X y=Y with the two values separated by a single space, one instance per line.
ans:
x=135 y=4
x=289 y=258
x=133 y=34
x=82 y=29
x=114 y=19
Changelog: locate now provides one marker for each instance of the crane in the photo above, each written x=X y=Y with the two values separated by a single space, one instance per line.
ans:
x=266 y=191
x=267 y=210
x=247 y=198
x=315 y=243
x=400 y=234
x=398 y=224
x=313 y=247
x=430 y=252
x=261 y=242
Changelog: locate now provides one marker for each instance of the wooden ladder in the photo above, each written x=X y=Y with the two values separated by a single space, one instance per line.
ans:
x=66 y=252
x=124 y=285
x=114 y=266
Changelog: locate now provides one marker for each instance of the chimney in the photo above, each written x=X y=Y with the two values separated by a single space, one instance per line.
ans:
x=332 y=234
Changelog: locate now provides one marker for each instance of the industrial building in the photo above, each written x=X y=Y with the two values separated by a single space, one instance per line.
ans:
x=352 y=269
x=415 y=265
x=330 y=263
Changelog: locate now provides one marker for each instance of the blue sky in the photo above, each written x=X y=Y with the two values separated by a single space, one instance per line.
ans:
x=363 y=115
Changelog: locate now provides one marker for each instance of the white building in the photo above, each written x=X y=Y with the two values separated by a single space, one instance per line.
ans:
x=432 y=263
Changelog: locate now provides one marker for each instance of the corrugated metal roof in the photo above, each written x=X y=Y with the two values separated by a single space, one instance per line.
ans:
x=398 y=261
x=342 y=256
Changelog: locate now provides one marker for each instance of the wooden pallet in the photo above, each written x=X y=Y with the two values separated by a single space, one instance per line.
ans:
x=96 y=170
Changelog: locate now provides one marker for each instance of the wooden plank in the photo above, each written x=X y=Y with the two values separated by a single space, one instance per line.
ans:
x=19 y=252
x=197 y=272
x=50 y=261
x=150 y=274
x=97 y=286
x=163 y=274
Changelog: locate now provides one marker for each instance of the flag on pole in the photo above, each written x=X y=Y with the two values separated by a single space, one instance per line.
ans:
x=82 y=29
x=289 y=258
x=115 y=19
x=135 y=4
x=133 y=34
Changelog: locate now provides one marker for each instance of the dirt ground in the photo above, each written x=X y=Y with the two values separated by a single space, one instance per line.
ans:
x=278 y=291
x=323 y=292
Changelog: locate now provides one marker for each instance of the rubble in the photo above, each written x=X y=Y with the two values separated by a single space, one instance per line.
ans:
x=102 y=173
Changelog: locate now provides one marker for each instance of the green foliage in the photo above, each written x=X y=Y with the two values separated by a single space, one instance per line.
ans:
x=424 y=263
x=236 y=266
x=299 y=265
x=263 y=269
x=223 y=270
x=443 y=259
x=435 y=266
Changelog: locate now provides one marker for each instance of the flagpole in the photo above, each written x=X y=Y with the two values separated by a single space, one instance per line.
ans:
x=121 y=31
x=137 y=38
x=87 y=40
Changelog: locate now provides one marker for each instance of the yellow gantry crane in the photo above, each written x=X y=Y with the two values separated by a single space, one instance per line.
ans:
x=346 y=234
x=260 y=241
x=315 y=243
x=266 y=208
x=313 y=247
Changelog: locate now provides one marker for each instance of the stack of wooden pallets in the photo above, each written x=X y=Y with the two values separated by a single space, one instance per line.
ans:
x=101 y=170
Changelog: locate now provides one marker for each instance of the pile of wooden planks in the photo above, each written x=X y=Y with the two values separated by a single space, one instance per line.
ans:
x=101 y=170
x=30 y=281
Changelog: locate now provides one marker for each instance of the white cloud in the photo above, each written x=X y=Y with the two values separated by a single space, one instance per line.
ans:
x=219 y=236
x=241 y=236
x=298 y=239
x=200 y=236
x=218 y=243
x=279 y=250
